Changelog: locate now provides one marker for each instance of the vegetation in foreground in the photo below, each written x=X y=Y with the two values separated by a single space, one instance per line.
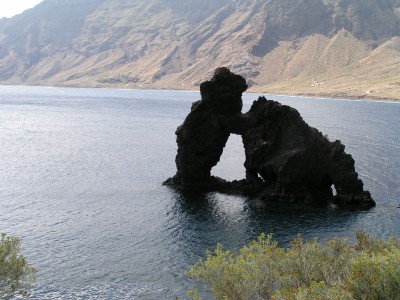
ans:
x=15 y=273
x=370 y=269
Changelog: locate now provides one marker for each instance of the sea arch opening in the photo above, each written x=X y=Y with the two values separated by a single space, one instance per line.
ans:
x=231 y=164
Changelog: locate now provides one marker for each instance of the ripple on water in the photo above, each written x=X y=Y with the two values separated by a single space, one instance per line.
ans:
x=105 y=291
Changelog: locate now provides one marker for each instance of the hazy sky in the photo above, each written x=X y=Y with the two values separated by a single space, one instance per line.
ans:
x=9 y=8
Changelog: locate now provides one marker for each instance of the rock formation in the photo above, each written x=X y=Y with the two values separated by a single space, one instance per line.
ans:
x=286 y=159
x=203 y=135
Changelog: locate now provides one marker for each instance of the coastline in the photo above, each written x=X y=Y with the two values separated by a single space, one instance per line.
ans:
x=351 y=90
x=251 y=90
x=333 y=96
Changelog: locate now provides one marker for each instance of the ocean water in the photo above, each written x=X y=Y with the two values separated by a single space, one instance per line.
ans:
x=80 y=181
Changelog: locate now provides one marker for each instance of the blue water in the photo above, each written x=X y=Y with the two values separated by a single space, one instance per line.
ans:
x=80 y=182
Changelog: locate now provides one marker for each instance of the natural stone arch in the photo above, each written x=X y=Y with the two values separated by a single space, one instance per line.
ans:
x=286 y=159
x=203 y=135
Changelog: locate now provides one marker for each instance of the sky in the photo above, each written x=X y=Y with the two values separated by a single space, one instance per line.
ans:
x=9 y=8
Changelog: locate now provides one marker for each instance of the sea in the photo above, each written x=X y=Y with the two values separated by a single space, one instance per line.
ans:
x=81 y=174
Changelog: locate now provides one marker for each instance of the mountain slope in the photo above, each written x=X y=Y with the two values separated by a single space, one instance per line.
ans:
x=278 y=45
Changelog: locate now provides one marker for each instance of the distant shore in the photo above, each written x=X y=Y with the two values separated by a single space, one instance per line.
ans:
x=342 y=92
x=334 y=96
x=254 y=90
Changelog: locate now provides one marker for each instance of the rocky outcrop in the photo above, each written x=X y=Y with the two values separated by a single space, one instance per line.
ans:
x=296 y=162
x=286 y=159
x=203 y=135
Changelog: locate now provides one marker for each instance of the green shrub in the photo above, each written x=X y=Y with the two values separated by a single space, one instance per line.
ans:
x=376 y=276
x=15 y=273
x=370 y=269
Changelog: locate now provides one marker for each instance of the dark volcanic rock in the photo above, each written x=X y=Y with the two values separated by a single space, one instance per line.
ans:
x=205 y=131
x=296 y=162
x=286 y=159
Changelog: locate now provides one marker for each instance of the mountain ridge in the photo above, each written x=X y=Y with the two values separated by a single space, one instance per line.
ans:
x=285 y=46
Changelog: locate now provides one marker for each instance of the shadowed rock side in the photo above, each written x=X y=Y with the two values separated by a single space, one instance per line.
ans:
x=286 y=160
x=203 y=135
x=294 y=161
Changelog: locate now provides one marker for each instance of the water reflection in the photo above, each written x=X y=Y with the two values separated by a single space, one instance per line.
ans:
x=205 y=219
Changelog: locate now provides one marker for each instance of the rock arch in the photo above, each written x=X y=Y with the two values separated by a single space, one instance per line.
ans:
x=286 y=159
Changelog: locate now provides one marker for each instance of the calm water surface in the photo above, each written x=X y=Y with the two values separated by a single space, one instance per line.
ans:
x=80 y=181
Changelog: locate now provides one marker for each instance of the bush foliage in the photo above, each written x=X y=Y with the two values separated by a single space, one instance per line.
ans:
x=15 y=273
x=370 y=269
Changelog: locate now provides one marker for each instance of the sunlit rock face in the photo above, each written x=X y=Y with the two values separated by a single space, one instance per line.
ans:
x=286 y=159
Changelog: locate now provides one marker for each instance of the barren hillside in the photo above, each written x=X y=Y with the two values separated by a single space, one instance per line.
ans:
x=321 y=47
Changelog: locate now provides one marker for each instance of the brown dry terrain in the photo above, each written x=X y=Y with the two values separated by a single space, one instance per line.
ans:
x=331 y=48
x=358 y=73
